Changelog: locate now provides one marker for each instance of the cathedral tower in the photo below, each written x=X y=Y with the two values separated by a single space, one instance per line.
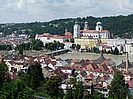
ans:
x=76 y=28
x=86 y=27
x=99 y=26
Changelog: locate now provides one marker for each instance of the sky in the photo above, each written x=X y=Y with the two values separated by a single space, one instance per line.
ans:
x=12 y=11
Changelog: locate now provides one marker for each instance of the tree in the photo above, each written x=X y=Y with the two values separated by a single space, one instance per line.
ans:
x=36 y=75
x=36 y=44
x=16 y=90
x=62 y=46
x=72 y=40
x=79 y=90
x=73 y=46
x=24 y=76
x=20 y=51
x=56 y=45
x=52 y=87
x=118 y=88
x=95 y=50
x=4 y=76
x=78 y=46
x=116 y=51
x=67 y=40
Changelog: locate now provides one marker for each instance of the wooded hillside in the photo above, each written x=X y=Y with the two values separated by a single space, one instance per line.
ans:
x=121 y=26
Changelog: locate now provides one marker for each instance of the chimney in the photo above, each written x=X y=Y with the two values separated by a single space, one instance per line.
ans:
x=126 y=62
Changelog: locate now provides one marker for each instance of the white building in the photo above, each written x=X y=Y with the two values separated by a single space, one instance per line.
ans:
x=129 y=48
x=123 y=45
x=46 y=38
x=76 y=30
x=114 y=42
x=91 y=34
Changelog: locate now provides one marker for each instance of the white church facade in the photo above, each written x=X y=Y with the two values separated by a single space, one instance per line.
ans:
x=99 y=32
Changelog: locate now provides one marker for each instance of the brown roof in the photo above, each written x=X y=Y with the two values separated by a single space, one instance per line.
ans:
x=91 y=76
x=58 y=71
x=76 y=66
x=90 y=66
x=104 y=78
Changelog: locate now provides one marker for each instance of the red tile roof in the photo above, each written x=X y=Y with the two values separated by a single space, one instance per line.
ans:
x=93 y=31
x=76 y=66
x=91 y=76
x=68 y=34
x=90 y=66
x=104 y=78
x=55 y=36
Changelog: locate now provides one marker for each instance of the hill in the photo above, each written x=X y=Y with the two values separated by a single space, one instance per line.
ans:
x=119 y=26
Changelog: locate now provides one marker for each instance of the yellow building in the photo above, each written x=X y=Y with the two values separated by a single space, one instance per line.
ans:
x=88 y=43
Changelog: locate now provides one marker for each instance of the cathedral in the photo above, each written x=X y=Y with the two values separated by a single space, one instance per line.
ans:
x=99 y=32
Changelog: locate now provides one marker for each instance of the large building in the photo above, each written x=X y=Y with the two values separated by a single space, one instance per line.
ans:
x=90 y=38
x=46 y=37
x=99 y=32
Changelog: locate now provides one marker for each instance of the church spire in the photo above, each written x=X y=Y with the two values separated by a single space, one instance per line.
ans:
x=86 y=26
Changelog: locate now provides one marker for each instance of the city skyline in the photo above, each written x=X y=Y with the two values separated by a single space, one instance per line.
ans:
x=13 y=11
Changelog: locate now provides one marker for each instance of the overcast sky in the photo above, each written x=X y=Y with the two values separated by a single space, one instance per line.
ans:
x=46 y=10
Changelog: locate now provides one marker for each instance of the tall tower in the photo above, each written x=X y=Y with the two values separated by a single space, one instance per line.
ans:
x=99 y=26
x=76 y=30
x=86 y=27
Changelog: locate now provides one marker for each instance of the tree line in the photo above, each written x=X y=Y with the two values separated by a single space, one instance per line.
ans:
x=96 y=50
x=32 y=45
x=56 y=45
x=119 y=26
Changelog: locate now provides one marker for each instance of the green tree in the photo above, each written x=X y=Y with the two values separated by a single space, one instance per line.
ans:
x=36 y=44
x=72 y=40
x=73 y=46
x=20 y=51
x=36 y=75
x=118 y=89
x=4 y=76
x=56 y=45
x=24 y=77
x=52 y=87
x=67 y=40
x=95 y=50
x=116 y=51
x=78 y=90
x=16 y=90
x=78 y=46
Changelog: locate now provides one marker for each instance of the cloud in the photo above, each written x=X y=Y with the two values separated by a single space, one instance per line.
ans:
x=45 y=10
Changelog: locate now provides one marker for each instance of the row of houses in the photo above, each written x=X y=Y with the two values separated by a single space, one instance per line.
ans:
x=98 y=72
